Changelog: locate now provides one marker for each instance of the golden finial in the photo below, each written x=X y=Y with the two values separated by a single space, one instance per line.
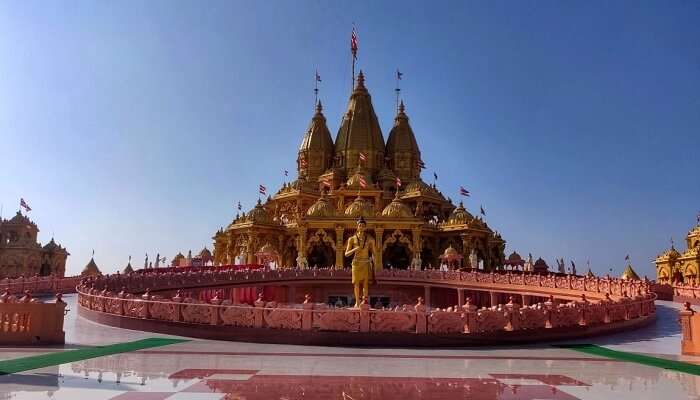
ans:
x=402 y=108
x=360 y=80
x=319 y=107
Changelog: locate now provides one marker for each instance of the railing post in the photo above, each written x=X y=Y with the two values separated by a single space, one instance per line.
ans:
x=421 y=321
x=307 y=314
x=685 y=318
x=258 y=311
x=364 y=316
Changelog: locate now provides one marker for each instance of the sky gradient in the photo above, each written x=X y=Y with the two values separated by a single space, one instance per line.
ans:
x=135 y=127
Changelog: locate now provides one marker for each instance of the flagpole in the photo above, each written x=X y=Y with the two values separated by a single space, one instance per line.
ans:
x=398 y=90
x=315 y=90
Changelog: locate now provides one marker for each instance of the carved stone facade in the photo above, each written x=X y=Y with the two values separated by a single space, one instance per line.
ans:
x=673 y=266
x=309 y=220
x=22 y=255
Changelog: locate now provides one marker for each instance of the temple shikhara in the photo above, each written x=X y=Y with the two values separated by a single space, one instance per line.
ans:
x=22 y=255
x=671 y=265
x=307 y=221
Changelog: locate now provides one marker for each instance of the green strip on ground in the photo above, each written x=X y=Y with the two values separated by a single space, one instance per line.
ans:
x=62 y=357
x=673 y=365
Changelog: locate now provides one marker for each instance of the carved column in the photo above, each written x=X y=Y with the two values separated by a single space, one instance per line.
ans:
x=339 y=247
x=379 y=243
x=460 y=297
x=302 y=241
x=415 y=232
x=494 y=298
x=252 y=238
x=426 y=296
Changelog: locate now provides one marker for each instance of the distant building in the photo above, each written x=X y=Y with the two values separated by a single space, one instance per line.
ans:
x=22 y=255
x=671 y=265
x=204 y=258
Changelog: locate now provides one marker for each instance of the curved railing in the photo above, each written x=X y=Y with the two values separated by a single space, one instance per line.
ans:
x=604 y=304
x=40 y=284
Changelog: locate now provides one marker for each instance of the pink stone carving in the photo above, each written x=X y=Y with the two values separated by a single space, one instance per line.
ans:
x=196 y=313
x=441 y=322
x=488 y=320
x=392 y=321
x=282 y=318
x=345 y=320
x=162 y=311
x=238 y=315
x=532 y=317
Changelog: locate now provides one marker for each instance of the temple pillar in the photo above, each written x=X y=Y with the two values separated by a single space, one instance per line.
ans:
x=252 y=239
x=494 y=298
x=426 y=296
x=460 y=297
x=301 y=250
x=526 y=300
x=379 y=245
x=339 y=247
x=415 y=233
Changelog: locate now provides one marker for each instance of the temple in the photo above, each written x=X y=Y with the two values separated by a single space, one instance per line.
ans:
x=671 y=265
x=359 y=175
x=22 y=255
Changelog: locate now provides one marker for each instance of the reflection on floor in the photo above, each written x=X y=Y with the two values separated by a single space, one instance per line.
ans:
x=203 y=369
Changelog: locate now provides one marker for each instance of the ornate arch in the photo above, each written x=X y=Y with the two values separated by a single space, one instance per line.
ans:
x=398 y=237
x=690 y=270
x=320 y=237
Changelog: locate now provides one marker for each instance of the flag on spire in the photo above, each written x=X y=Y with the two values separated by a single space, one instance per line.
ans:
x=286 y=173
x=363 y=182
x=303 y=163
x=240 y=207
x=24 y=205
x=399 y=74
x=435 y=175
x=420 y=164
x=482 y=210
x=318 y=77
x=463 y=191
x=262 y=190
x=363 y=157
x=398 y=182
x=326 y=181
x=353 y=43
x=627 y=257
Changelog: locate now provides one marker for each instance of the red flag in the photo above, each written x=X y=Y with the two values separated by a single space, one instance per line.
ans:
x=363 y=182
x=463 y=191
x=420 y=164
x=353 y=43
x=262 y=190
x=327 y=182
x=303 y=163
x=24 y=205
x=363 y=157
x=398 y=182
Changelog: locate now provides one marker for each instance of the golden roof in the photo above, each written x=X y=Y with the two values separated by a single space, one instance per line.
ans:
x=420 y=188
x=91 y=269
x=629 y=273
x=359 y=208
x=359 y=131
x=317 y=142
x=402 y=145
x=460 y=216
x=397 y=209
x=321 y=208
x=450 y=252
x=514 y=256
x=259 y=215
x=53 y=246
x=20 y=219
x=205 y=252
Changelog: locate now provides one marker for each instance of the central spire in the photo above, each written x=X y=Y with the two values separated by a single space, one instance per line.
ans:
x=360 y=133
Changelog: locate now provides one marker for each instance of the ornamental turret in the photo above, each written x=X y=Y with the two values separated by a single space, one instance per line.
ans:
x=316 y=149
x=402 y=149
x=359 y=133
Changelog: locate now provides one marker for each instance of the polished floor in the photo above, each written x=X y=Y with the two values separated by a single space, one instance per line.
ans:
x=204 y=370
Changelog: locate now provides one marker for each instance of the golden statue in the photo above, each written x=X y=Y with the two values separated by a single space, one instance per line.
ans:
x=359 y=246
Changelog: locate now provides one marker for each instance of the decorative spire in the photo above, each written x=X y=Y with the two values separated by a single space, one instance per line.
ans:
x=319 y=108
x=360 y=81
x=402 y=108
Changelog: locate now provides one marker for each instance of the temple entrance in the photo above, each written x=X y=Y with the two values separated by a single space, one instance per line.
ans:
x=427 y=257
x=321 y=256
x=396 y=255
x=45 y=270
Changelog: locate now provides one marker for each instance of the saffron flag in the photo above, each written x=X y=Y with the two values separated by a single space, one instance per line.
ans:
x=327 y=182
x=399 y=74
x=398 y=182
x=363 y=157
x=262 y=190
x=463 y=191
x=24 y=205
x=353 y=43
x=363 y=182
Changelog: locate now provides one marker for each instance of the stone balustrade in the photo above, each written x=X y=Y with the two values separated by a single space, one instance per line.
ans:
x=26 y=320
x=40 y=284
x=602 y=305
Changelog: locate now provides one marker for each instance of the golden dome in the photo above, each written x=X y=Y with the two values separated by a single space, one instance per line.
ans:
x=91 y=269
x=514 y=256
x=316 y=147
x=460 y=216
x=402 y=145
x=359 y=208
x=354 y=181
x=321 y=208
x=259 y=215
x=359 y=131
x=397 y=209
x=629 y=273
x=205 y=253
x=450 y=252
x=386 y=175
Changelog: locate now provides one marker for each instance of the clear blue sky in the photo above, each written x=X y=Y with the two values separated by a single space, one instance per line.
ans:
x=134 y=127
